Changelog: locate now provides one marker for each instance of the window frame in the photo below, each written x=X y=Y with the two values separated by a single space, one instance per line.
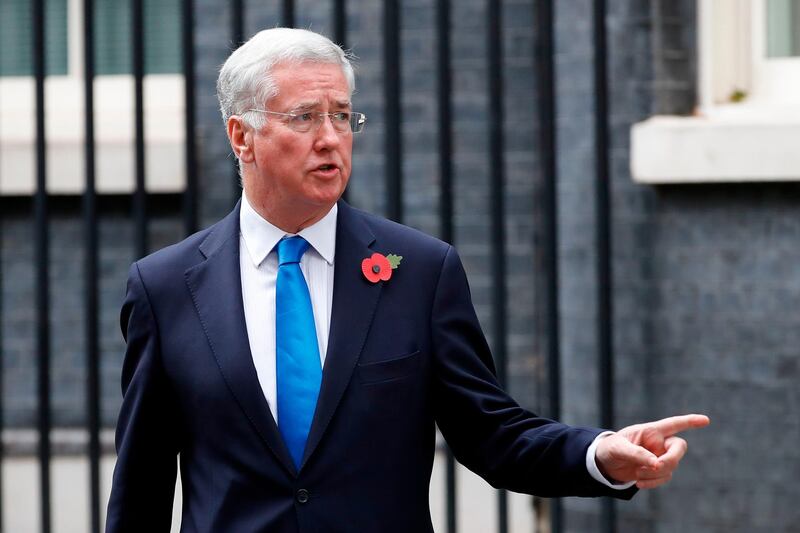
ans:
x=732 y=47
x=772 y=77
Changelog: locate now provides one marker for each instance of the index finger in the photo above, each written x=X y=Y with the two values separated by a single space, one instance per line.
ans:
x=676 y=424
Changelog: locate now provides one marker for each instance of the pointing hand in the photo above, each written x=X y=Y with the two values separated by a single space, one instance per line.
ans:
x=646 y=453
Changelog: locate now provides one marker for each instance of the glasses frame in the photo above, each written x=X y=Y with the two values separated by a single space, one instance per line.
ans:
x=357 y=120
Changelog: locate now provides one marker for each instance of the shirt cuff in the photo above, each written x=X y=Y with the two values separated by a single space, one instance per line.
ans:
x=591 y=465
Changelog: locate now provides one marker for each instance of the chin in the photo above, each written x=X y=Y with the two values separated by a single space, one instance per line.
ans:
x=328 y=195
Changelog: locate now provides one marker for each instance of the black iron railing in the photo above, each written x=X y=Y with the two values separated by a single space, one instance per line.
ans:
x=394 y=156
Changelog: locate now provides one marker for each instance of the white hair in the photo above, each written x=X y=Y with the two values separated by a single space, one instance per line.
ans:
x=245 y=80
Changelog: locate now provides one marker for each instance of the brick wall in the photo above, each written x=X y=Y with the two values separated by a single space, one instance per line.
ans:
x=67 y=315
x=703 y=295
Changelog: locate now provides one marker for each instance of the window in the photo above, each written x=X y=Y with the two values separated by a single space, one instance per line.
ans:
x=748 y=114
x=114 y=97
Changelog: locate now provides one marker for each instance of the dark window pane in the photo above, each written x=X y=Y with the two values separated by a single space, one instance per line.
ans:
x=162 y=33
x=112 y=20
x=113 y=48
x=783 y=28
x=16 y=37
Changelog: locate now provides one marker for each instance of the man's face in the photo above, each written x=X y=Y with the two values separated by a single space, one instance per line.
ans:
x=295 y=178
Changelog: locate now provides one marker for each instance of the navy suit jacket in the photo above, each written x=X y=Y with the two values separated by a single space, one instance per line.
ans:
x=403 y=355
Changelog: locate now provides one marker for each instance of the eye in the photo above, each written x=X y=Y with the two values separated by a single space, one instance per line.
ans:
x=341 y=116
x=304 y=117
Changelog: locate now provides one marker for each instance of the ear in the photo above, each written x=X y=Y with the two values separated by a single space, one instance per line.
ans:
x=240 y=136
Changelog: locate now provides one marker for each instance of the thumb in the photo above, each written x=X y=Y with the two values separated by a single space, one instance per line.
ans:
x=634 y=456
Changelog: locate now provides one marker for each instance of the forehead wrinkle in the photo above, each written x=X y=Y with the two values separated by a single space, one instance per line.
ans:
x=305 y=106
x=311 y=104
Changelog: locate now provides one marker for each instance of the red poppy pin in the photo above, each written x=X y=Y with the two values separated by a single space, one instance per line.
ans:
x=379 y=267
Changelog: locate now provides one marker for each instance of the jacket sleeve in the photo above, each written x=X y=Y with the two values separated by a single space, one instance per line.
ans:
x=144 y=476
x=487 y=430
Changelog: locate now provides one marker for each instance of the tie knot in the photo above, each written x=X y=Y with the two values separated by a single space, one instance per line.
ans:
x=291 y=249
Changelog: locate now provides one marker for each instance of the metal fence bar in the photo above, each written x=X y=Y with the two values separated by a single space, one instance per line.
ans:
x=42 y=266
x=444 y=95
x=2 y=366
x=445 y=110
x=393 y=138
x=2 y=372
x=237 y=38
x=340 y=23
x=394 y=201
x=139 y=193
x=339 y=17
x=190 y=195
x=237 y=23
x=498 y=233
x=605 y=317
x=544 y=54
x=91 y=272
x=288 y=13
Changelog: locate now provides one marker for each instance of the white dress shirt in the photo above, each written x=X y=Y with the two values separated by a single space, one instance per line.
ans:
x=258 y=262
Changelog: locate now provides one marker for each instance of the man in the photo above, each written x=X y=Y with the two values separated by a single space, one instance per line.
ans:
x=298 y=354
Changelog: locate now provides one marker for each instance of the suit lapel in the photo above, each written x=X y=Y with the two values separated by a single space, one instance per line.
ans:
x=354 y=303
x=216 y=289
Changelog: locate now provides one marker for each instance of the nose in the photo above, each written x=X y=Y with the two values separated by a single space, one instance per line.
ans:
x=326 y=136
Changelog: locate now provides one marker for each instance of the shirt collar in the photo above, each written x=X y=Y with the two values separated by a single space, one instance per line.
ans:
x=261 y=236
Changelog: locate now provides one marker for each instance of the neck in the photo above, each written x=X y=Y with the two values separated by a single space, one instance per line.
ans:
x=290 y=222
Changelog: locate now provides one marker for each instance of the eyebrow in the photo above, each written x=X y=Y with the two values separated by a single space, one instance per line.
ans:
x=307 y=106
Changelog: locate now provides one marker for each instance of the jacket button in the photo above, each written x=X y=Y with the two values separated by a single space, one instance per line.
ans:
x=301 y=496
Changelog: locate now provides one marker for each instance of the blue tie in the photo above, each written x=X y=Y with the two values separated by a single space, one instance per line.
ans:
x=297 y=354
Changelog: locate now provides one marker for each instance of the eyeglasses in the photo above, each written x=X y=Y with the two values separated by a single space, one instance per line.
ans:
x=343 y=121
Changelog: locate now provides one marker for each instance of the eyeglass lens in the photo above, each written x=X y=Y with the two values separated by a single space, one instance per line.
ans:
x=342 y=122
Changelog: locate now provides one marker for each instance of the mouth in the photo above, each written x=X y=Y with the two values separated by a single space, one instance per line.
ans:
x=326 y=167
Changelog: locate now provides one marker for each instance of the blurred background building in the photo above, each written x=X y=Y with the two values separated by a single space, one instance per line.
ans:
x=619 y=176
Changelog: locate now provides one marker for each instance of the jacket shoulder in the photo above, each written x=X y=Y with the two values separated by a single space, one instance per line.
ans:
x=176 y=258
x=390 y=233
